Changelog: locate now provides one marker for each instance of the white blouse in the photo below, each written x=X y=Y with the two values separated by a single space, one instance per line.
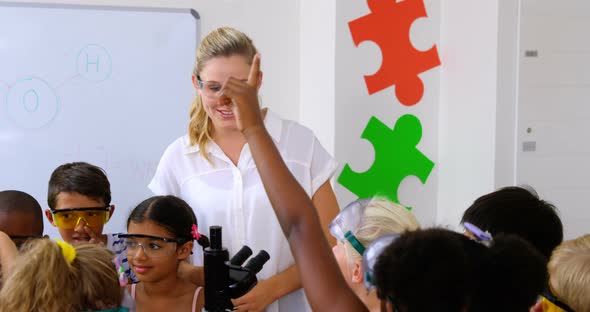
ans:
x=234 y=197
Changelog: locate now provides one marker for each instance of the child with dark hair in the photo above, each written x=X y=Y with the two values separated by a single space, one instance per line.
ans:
x=516 y=210
x=79 y=198
x=21 y=216
x=160 y=234
x=440 y=270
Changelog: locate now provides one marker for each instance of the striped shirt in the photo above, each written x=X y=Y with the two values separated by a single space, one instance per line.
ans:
x=117 y=246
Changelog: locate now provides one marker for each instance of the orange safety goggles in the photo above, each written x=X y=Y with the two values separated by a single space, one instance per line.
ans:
x=69 y=218
x=551 y=302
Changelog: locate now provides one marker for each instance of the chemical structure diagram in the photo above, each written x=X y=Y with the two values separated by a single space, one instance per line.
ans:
x=33 y=103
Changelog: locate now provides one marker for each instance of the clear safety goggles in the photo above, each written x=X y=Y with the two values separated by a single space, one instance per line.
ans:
x=371 y=256
x=152 y=246
x=348 y=221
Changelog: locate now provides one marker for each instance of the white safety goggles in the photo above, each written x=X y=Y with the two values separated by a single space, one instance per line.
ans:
x=347 y=222
x=371 y=255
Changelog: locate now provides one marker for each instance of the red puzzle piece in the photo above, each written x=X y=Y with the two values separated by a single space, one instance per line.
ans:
x=388 y=25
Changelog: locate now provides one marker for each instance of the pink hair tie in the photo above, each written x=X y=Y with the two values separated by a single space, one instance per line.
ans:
x=195 y=232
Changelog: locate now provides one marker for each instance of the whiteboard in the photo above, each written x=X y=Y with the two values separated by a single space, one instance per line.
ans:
x=107 y=85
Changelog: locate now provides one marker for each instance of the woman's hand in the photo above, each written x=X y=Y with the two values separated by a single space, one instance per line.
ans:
x=244 y=98
x=256 y=299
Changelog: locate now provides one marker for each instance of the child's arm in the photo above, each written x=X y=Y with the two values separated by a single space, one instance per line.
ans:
x=269 y=290
x=8 y=253
x=320 y=275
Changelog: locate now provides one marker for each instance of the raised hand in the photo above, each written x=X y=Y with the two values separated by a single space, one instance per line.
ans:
x=94 y=238
x=244 y=98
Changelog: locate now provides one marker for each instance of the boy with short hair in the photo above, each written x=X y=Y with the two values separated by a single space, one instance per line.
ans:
x=519 y=211
x=21 y=216
x=79 y=198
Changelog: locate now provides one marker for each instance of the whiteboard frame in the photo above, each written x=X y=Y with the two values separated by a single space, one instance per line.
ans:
x=191 y=11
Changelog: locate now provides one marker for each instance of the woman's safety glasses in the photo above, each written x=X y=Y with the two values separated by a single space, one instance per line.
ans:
x=70 y=218
x=208 y=88
x=152 y=246
x=347 y=222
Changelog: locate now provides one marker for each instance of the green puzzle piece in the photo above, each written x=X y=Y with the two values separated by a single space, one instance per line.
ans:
x=396 y=157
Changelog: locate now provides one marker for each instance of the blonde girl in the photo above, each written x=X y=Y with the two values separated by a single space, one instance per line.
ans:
x=56 y=276
x=355 y=228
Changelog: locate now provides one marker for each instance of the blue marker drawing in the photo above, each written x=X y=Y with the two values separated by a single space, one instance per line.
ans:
x=94 y=63
x=31 y=103
x=88 y=63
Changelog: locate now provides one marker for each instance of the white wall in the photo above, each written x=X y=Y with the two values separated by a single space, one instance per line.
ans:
x=507 y=92
x=317 y=38
x=468 y=111
x=553 y=96
x=354 y=106
x=467 y=121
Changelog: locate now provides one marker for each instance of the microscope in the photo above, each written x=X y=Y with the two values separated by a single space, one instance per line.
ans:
x=227 y=279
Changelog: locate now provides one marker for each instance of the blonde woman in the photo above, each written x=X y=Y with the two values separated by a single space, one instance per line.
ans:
x=212 y=169
x=569 y=285
x=56 y=276
x=359 y=224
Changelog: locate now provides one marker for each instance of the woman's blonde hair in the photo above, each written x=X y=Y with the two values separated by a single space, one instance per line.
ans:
x=224 y=42
x=381 y=217
x=570 y=273
x=43 y=280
